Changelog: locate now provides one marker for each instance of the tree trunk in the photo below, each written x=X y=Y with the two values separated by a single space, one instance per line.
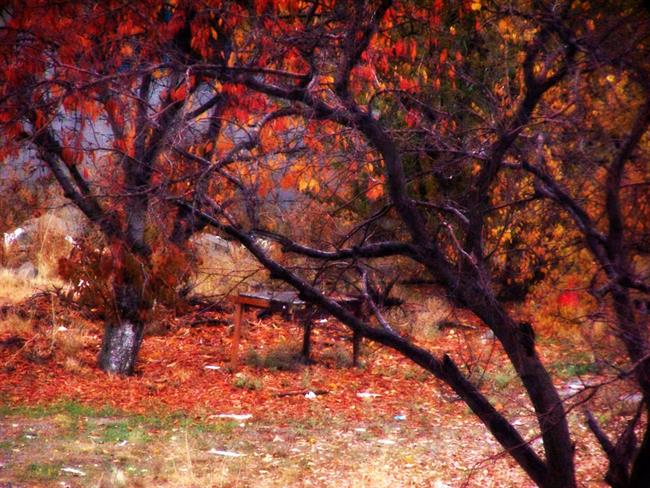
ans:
x=124 y=330
x=120 y=347
x=640 y=475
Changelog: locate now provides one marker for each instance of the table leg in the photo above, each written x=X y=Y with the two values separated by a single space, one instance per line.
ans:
x=356 y=337
x=356 y=349
x=234 y=348
x=306 y=338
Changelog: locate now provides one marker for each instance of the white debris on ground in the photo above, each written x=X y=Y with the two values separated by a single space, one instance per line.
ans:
x=233 y=416
x=231 y=454
x=367 y=394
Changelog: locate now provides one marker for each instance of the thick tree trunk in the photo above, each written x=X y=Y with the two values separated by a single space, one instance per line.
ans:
x=640 y=475
x=518 y=341
x=124 y=330
x=120 y=347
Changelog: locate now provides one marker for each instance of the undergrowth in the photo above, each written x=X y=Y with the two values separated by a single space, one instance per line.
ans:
x=285 y=356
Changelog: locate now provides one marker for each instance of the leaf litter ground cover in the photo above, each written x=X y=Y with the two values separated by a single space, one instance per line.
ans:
x=186 y=419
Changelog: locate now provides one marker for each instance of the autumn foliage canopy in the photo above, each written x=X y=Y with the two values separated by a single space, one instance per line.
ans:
x=495 y=150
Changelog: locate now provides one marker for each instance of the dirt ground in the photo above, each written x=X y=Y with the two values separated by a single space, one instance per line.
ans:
x=186 y=419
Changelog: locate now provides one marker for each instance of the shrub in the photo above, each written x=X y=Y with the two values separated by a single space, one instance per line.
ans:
x=283 y=357
x=338 y=357
x=247 y=382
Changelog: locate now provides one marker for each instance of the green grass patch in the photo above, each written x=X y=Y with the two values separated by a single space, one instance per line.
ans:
x=304 y=427
x=499 y=378
x=220 y=428
x=502 y=379
x=42 y=471
x=125 y=430
x=71 y=408
x=159 y=422
x=576 y=365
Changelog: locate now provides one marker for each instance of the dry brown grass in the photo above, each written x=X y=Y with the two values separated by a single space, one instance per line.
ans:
x=421 y=317
x=70 y=342
x=47 y=246
x=13 y=325
x=46 y=331
x=14 y=289
x=224 y=273
x=72 y=365
x=46 y=242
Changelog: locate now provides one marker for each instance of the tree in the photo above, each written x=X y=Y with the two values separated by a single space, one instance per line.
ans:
x=486 y=146
x=92 y=91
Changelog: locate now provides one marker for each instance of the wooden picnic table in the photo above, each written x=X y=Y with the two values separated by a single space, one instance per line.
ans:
x=288 y=302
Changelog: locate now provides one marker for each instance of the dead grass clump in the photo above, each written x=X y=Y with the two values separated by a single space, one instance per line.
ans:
x=44 y=329
x=286 y=356
x=70 y=342
x=15 y=326
x=337 y=357
x=421 y=319
x=51 y=249
x=157 y=328
x=72 y=365
x=15 y=289
x=247 y=382
x=45 y=240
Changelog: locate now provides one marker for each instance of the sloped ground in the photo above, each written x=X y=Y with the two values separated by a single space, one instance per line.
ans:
x=90 y=449
x=385 y=424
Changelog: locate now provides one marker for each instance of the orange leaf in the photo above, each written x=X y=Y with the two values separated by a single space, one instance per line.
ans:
x=40 y=120
x=178 y=93
x=289 y=181
x=375 y=188
x=68 y=156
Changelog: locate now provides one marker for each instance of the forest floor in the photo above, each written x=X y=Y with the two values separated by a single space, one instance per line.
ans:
x=187 y=419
